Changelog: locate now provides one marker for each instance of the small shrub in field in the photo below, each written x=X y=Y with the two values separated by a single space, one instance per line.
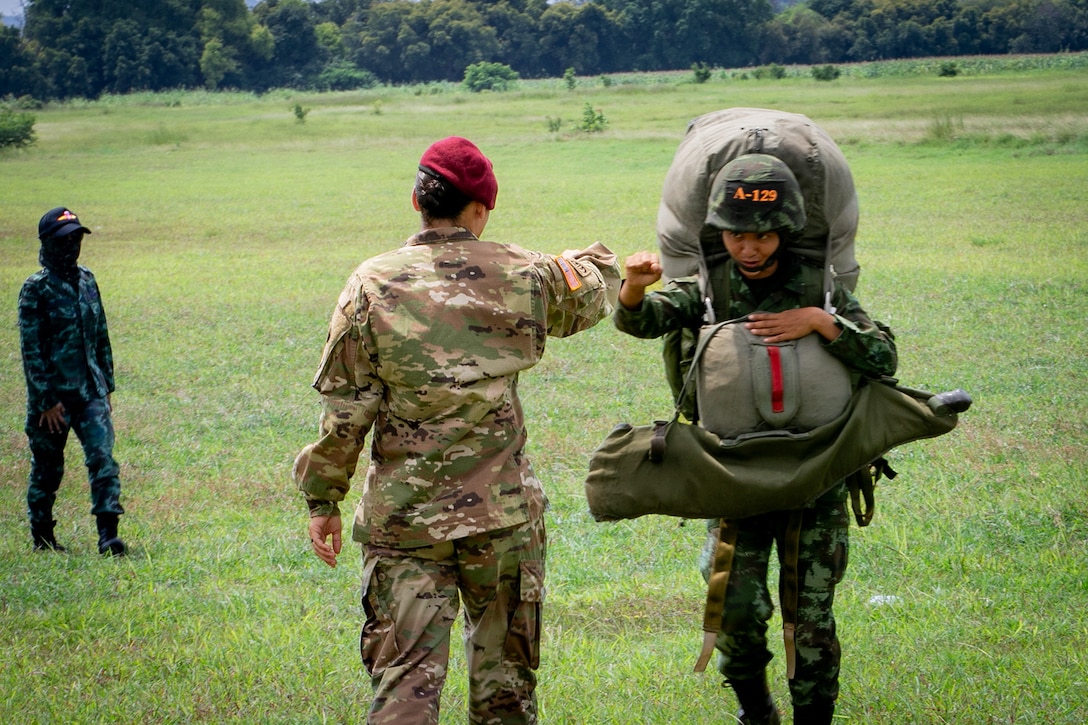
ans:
x=606 y=81
x=569 y=79
x=943 y=129
x=554 y=124
x=700 y=72
x=826 y=72
x=486 y=76
x=772 y=71
x=300 y=113
x=948 y=69
x=593 y=120
x=16 y=129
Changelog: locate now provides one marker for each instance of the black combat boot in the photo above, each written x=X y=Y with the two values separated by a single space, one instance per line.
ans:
x=109 y=543
x=44 y=540
x=818 y=713
x=756 y=704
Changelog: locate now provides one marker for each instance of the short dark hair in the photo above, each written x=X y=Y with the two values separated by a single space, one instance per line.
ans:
x=438 y=198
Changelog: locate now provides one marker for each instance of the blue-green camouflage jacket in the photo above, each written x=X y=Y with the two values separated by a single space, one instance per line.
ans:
x=65 y=341
x=423 y=353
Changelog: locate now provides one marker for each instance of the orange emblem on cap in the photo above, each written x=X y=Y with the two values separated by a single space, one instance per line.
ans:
x=66 y=216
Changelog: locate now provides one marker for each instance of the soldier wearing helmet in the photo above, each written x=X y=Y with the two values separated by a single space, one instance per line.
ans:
x=754 y=212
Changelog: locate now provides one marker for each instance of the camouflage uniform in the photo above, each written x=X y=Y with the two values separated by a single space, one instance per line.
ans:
x=67 y=359
x=424 y=348
x=865 y=347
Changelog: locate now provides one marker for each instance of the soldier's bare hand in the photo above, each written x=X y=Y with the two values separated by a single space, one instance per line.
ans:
x=54 y=419
x=642 y=269
x=792 y=324
x=323 y=528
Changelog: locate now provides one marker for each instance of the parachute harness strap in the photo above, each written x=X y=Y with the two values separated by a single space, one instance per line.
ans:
x=789 y=587
x=721 y=566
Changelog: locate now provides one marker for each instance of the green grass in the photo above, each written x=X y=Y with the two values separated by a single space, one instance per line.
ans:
x=224 y=231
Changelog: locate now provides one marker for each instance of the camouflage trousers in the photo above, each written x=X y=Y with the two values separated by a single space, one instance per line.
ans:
x=411 y=598
x=93 y=427
x=822 y=559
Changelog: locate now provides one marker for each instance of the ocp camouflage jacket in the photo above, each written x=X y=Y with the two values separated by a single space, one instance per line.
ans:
x=424 y=351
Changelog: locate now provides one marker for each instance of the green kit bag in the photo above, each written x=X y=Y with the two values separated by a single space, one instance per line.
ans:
x=679 y=469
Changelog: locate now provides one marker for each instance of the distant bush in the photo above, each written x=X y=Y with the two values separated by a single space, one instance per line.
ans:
x=700 y=72
x=344 y=76
x=948 y=69
x=826 y=72
x=23 y=103
x=486 y=76
x=300 y=113
x=569 y=79
x=773 y=70
x=16 y=129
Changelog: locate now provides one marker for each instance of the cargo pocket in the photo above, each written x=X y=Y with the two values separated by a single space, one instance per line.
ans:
x=522 y=645
x=377 y=642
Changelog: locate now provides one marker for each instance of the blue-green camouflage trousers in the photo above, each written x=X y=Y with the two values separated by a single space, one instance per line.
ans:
x=821 y=565
x=410 y=598
x=94 y=428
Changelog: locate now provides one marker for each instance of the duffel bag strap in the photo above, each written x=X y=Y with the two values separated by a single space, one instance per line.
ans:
x=862 y=485
x=721 y=566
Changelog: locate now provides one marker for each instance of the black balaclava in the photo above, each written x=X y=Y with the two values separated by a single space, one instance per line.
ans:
x=60 y=254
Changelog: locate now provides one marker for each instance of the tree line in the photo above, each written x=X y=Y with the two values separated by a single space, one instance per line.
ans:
x=84 y=48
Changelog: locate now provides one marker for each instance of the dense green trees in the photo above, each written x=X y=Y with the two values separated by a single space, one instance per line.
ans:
x=116 y=46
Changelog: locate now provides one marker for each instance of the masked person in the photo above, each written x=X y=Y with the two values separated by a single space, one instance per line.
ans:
x=68 y=365
x=424 y=351
x=756 y=210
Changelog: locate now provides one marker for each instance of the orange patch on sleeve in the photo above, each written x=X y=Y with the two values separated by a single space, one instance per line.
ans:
x=573 y=280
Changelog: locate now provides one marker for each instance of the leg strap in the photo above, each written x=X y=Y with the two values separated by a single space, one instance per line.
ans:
x=789 y=586
x=715 y=592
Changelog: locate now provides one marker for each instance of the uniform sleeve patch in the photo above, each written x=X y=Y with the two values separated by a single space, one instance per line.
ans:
x=573 y=280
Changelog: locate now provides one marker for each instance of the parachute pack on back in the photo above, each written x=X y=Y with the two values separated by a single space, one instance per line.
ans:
x=713 y=140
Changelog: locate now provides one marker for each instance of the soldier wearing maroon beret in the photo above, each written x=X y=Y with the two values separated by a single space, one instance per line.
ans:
x=423 y=356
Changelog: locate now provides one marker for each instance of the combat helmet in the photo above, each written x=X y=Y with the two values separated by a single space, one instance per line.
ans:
x=756 y=193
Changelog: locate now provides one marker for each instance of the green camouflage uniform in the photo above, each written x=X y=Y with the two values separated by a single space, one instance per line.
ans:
x=863 y=346
x=67 y=359
x=424 y=349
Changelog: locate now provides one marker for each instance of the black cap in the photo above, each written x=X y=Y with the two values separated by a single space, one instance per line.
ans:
x=59 y=222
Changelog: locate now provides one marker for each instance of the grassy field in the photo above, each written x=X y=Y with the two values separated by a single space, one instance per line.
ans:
x=223 y=232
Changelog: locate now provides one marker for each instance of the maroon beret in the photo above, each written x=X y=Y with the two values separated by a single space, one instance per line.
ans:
x=460 y=162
